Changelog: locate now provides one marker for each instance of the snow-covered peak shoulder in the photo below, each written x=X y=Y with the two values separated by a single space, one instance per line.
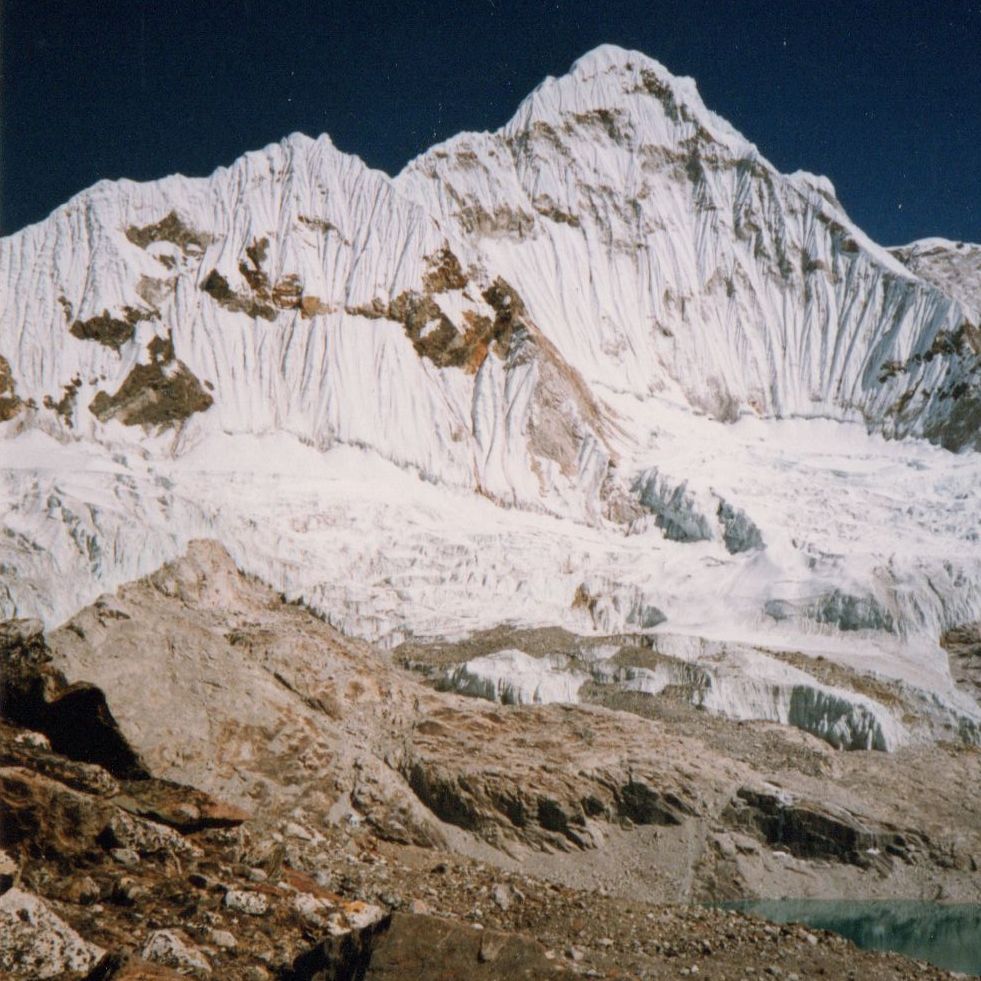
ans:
x=820 y=192
x=954 y=267
x=932 y=244
x=611 y=112
x=297 y=161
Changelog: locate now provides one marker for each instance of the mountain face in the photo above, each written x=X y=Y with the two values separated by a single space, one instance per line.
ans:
x=640 y=373
x=457 y=318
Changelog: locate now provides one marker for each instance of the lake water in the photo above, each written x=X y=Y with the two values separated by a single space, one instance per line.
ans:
x=948 y=935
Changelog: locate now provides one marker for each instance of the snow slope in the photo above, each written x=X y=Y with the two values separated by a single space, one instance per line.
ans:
x=605 y=367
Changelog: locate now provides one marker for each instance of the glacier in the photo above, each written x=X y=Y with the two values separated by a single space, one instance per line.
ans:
x=726 y=680
x=513 y=677
x=604 y=368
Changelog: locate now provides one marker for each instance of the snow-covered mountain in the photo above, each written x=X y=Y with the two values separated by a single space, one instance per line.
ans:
x=603 y=362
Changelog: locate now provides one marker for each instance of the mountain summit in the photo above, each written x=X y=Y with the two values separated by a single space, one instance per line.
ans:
x=604 y=367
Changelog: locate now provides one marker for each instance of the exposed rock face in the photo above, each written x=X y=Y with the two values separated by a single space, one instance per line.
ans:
x=565 y=426
x=810 y=829
x=10 y=404
x=111 y=853
x=963 y=646
x=162 y=393
x=259 y=297
x=433 y=334
x=113 y=332
x=301 y=709
x=338 y=711
x=65 y=406
x=171 y=949
x=172 y=905
x=501 y=794
x=170 y=228
x=74 y=718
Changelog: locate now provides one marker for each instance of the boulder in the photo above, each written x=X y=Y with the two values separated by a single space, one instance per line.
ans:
x=35 y=943
x=402 y=947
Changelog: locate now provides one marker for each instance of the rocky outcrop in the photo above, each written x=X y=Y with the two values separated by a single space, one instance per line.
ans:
x=171 y=228
x=101 y=862
x=412 y=762
x=74 y=719
x=113 y=332
x=161 y=393
x=223 y=903
x=816 y=830
x=36 y=943
x=504 y=797
x=963 y=646
x=403 y=946
x=259 y=297
x=10 y=404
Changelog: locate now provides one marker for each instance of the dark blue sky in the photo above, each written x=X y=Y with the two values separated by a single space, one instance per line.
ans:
x=883 y=96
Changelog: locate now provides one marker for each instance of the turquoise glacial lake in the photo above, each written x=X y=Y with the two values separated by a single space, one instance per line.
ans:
x=948 y=935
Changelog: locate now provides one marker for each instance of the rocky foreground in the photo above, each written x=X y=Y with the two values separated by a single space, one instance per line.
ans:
x=197 y=778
